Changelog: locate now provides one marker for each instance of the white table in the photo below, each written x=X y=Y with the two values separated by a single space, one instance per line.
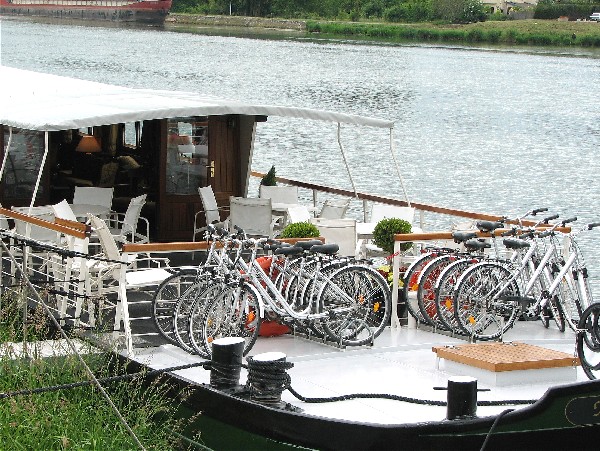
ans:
x=82 y=210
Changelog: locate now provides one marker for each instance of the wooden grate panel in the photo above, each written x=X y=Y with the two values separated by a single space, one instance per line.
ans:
x=498 y=357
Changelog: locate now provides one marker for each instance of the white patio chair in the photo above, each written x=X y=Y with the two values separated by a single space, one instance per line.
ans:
x=211 y=211
x=92 y=195
x=382 y=211
x=124 y=226
x=341 y=232
x=110 y=276
x=334 y=209
x=63 y=210
x=42 y=235
x=279 y=194
x=298 y=213
x=253 y=215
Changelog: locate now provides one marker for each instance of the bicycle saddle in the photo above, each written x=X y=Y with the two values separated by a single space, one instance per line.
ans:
x=327 y=249
x=306 y=245
x=488 y=226
x=461 y=237
x=515 y=243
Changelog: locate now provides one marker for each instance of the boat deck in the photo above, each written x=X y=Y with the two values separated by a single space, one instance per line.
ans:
x=401 y=362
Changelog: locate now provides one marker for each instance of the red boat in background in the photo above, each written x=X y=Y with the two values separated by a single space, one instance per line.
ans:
x=143 y=11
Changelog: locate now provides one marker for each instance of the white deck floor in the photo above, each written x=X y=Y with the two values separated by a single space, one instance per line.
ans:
x=401 y=362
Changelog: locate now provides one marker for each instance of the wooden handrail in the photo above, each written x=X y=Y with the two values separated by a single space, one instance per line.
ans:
x=391 y=201
x=434 y=236
x=67 y=230
x=188 y=246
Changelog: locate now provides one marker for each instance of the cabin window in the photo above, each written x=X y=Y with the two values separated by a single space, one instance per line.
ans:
x=22 y=163
x=187 y=155
x=132 y=135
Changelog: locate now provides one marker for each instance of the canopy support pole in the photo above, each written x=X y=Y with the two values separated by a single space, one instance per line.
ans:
x=339 y=139
x=393 y=150
x=39 y=177
x=10 y=135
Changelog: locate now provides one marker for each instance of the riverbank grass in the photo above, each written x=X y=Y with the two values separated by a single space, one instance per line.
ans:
x=75 y=418
x=528 y=32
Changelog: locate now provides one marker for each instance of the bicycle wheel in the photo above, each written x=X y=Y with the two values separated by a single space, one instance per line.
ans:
x=193 y=334
x=483 y=308
x=183 y=310
x=588 y=341
x=410 y=285
x=234 y=312
x=444 y=293
x=358 y=301
x=553 y=311
x=165 y=299
x=426 y=291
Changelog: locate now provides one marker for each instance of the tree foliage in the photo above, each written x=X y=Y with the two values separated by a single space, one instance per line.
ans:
x=389 y=10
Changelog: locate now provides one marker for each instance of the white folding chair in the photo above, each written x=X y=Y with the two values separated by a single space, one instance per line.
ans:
x=253 y=215
x=279 y=194
x=382 y=211
x=63 y=210
x=111 y=277
x=210 y=210
x=334 y=209
x=124 y=226
x=298 y=213
x=339 y=231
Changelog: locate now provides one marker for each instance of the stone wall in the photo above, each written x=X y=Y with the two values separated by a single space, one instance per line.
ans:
x=236 y=21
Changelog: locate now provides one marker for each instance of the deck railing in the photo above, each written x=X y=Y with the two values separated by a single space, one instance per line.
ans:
x=421 y=208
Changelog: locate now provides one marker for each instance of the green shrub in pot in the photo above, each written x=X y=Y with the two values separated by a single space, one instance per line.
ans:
x=383 y=234
x=269 y=179
x=300 y=230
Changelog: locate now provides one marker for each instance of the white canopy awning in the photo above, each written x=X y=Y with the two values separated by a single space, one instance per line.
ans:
x=36 y=101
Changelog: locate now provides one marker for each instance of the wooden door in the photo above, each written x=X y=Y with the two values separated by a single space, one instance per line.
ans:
x=179 y=199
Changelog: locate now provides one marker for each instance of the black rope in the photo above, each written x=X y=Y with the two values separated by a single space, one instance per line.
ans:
x=494 y=424
x=268 y=378
x=204 y=364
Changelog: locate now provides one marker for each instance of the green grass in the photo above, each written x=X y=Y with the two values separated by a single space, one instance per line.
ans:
x=524 y=32
x=77 y=418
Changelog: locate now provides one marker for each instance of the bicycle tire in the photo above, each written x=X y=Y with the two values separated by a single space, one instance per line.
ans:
x=481 y=311
x=426 y=291
x=588 y=341
x=201 y=301
x=165 y=299
x=410 y=286
x=444 y=293
x=183 y=311
x=231 y=314
x=368 y=298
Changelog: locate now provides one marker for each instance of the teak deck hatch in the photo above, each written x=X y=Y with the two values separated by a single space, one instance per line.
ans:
x=498 y=357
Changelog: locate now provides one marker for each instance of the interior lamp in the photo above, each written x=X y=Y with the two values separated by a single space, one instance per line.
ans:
x=88 y=144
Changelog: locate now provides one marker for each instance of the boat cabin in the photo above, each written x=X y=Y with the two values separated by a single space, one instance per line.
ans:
x=59 y=133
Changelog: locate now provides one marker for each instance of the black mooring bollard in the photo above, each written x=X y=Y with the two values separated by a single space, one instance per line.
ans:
x=462 y=397
x=226 y=362
x=267 y=376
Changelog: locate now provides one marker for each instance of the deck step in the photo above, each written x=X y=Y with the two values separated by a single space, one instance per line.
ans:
x=508 y=363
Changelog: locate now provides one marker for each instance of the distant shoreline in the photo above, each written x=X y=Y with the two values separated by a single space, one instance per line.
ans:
x=532 y=32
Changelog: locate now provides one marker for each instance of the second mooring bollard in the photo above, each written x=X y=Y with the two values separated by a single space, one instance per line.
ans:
x=226 y=362
x=462 y=397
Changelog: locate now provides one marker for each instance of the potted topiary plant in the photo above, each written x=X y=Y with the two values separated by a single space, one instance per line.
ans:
x=300 y=230
x=269 y=178
x=383 y=234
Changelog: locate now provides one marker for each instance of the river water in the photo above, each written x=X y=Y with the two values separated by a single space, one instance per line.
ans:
x=494 y=129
